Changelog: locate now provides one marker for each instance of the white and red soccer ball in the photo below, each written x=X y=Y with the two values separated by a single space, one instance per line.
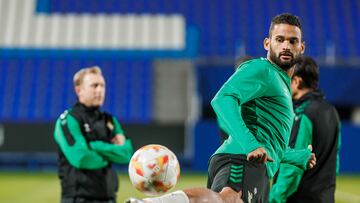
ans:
x=154 y=169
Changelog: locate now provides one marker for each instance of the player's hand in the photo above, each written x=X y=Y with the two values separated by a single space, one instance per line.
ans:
x=312 y=160
x=259 y=155
x=118 y=139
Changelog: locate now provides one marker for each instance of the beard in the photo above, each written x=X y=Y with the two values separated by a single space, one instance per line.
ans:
x=284 y=65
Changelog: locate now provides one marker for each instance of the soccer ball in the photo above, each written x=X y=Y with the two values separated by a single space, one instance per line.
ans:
x=154 y=169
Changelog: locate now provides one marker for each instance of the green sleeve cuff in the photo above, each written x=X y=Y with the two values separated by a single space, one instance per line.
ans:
x=115 y=153
x=297 y=157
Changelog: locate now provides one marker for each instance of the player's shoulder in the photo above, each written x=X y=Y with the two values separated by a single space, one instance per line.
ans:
x=63 y=118
x=67 y=113
x=64 y=114
x=259 y=67
x=256 y=61
x=255 y=64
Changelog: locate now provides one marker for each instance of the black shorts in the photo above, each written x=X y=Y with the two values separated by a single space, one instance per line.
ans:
x=233 y=170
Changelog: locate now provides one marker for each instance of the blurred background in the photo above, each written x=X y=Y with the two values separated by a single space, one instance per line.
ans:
x=163 y=61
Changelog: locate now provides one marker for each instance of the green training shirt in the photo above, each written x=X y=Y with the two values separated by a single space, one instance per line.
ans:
x=89 y=155
x=255 y=108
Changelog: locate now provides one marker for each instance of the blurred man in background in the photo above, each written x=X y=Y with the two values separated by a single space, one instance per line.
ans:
x=316 y=123
x=89 y=142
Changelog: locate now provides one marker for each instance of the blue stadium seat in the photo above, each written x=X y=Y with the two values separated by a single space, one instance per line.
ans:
x=41 y=89
x=224 y=24
x=226 y=29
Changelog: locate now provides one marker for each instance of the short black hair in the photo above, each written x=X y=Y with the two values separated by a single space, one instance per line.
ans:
x=285 y=18
x=307 y=69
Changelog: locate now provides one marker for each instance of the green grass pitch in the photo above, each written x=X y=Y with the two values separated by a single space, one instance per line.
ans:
x=38 y=187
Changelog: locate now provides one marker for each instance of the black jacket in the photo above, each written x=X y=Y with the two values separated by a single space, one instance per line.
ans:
x=318 y=184
x=98 y=184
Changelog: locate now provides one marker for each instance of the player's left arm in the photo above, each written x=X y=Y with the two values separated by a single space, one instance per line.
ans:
x=302 y=158
x=119 y=150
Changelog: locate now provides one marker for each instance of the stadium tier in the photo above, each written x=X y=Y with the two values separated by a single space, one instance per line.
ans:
x=48 y=38
x=236 y=27
x=36 y=90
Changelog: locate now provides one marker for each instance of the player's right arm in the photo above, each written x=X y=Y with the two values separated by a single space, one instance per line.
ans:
x=119 y=150
x=120 y=154
x=72 y=143
x=245 y=84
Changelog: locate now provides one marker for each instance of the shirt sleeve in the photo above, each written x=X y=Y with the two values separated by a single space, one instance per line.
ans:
x=299 y=156
x=115 y=153
x=287 y=182
x=293 y=164
x=247 y=83
x=72 y=143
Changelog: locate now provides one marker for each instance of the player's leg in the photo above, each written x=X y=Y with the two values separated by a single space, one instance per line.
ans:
x=225 y=170
x=234 y=171
x=256 y=183
x=182 y=196
x=194 y=195
x=228 y=195
x=202 y=195
x=174 y=197
x=134 y=200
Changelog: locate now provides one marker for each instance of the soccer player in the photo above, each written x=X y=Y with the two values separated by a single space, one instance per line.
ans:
x=255 y=108
x=316 y=123
x=89 y=141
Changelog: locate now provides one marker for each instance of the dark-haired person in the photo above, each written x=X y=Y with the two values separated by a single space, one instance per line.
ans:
x=89 y=141
x=316 y=123
x=254 y=108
